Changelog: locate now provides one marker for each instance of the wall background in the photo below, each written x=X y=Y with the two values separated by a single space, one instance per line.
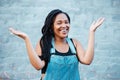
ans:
x=29 y=15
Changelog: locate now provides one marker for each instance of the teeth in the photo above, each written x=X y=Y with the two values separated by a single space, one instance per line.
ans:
x=64 y=30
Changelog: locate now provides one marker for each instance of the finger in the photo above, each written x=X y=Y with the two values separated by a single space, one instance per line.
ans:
x=100 y=23
x=101 y=19
x=93 y=22
x=13 y=31
x=10 y=29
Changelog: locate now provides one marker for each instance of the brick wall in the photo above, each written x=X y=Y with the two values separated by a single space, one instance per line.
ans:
x=29 y=15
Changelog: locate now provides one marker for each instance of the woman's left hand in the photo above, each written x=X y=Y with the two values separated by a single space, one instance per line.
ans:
x=96 y=24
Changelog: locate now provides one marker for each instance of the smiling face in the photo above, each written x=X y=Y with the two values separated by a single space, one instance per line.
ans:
x=61 y=26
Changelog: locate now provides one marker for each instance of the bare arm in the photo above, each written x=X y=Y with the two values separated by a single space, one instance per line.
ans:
x=86 y=57
x=34 y=59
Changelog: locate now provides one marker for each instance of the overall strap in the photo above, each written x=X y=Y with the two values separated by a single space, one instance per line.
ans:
x=52 y=50
x=71 y=45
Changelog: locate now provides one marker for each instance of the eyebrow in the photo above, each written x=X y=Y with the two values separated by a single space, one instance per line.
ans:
x=61 y=20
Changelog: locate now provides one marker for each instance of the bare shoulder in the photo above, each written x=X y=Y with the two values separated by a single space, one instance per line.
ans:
x=79 y=47
x=38 y=48
x=76 y=42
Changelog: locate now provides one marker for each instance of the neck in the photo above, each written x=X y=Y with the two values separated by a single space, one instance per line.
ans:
x=60 y=40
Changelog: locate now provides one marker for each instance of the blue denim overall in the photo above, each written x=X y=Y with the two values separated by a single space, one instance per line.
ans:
x=62 y=67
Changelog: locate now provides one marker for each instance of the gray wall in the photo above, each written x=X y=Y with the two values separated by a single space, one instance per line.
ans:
x=29 y=15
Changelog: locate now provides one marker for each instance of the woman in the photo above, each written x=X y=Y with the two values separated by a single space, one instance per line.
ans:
x=57 y=55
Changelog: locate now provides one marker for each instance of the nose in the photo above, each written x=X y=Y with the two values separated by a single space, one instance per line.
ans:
x=64 y=25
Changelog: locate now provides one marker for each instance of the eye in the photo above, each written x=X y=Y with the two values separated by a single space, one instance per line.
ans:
x=66 y=22
x=59 y=22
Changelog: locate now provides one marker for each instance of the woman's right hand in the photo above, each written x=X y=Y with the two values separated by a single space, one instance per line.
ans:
x=19 y=33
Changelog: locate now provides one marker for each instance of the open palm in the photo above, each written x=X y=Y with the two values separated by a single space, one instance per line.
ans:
x=96 y=24
x=18 y=33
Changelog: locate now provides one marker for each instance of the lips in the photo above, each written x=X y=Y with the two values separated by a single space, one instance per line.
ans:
x=63 y=30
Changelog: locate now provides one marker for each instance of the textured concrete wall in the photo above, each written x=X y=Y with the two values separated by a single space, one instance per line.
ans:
x=29 y=16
